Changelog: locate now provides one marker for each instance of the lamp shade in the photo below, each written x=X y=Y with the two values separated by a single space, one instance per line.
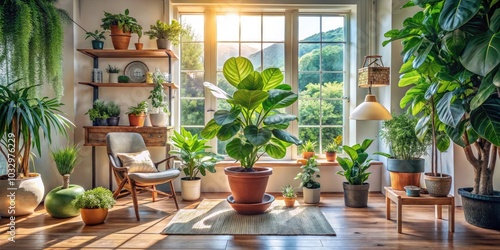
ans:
x=370 y=109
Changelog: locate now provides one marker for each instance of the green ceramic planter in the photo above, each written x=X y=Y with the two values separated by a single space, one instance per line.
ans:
x=58 y=201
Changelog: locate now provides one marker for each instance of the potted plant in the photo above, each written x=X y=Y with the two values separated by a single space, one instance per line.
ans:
x=354 y=169
x=113 y=73
x=121 y=26
x=165 y=33
x=159 y=101
x=58 y=202
x=308 y=149
x=98 y=36
x=138 y=45
x=332 y=148
x=113 y=110
x=311 y=189
x=137 y=114
x=98 y=113
x=289 y=195
x=123 y=79
x=194 y=160
x=404 y=163
x=455 y=43
x=253 y=125
x=94 y=205
x=25 y=121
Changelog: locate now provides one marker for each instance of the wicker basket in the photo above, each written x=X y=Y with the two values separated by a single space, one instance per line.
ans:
x=373 y=74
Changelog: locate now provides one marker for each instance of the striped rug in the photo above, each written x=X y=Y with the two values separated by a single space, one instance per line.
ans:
x=215 y=216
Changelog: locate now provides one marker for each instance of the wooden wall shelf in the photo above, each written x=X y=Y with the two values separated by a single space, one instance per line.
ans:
x=126 y=85
x=153 y=136
x=111 y=53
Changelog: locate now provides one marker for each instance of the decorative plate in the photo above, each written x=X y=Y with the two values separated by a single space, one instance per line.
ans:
x=136 y=70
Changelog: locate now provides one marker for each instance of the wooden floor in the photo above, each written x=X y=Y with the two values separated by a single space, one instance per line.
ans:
x=356 y=228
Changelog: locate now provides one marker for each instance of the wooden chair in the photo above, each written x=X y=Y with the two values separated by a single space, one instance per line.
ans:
x=123 y=142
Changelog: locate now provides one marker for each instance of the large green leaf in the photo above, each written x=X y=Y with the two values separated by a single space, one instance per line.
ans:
x=449 y=111
x=236 y=69
x=442 y=142
x=456 y=13
x=210 y=130
x=276 y=149
x=455 y=134
x=454 y=42
x=422 y=3
x=227 y=131
x=252 y=82
x=238 y=150
x=422 y=127
x=411 y=46
x=409 y=78
x=407 y=66
x=279 y=119
x=495 y=21
x=223 y=117
x=272 y=77
x=485 y=90
x=431 y=91
x=482 y=53
x=422 y=56
x=279 y=99
x=485 y=120
x=250 y=99
x=496 y=78
x=257 y=136
x=287 y=137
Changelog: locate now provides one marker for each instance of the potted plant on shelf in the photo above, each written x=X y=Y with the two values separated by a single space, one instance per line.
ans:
x=137 y=114
x=253 y=126
x=113 y=73
x=138 y=45
x=123 y=79
x=159 y=101
x=404 y=163
x=354 y=169
x=308 y=149
x=98 y=36
x=289 y=195
x=114 y=111
x=452 y=59
x=332 y=149
x=94 y=205
x=121 y=26
x=58 y=202
x=25 y=120
x=194 y=160
x=311 y=189
x=165 y=33
x=98 y=113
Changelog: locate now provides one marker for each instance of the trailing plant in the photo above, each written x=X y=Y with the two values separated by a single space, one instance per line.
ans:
x=335 y=145
x=123 y=79
x=98 y=111
x=354 y=168
x=162 y=30
x=451 y=60
x=66 y=159
x=98 y=197
x=25 y=120
x=399 y=134
x=288 y=191
x=254 y=124
x=31 y=37
x=157 y=94
x=309 y=174
x=125 y=22
x=141 y=108
x=112 y=69
x=309 y=146
x=191 y=151
x=113 y=109
x=97 y=35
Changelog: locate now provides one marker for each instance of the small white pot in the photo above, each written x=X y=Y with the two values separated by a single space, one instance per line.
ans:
x=113 y=77
x=190 y=189
x=311 y=196
x=158 y=119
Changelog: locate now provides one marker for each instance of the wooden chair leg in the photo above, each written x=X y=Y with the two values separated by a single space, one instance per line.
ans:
x=154 y=194
x=172 y=190
x=120 y=187
x=134 y=199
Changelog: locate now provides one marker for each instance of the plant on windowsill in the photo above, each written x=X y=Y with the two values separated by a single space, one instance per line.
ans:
x=289 y=195
x=159 y=101
x=137 y=114
x=308 y=149
x=310 y=187
x=94 y=205
x=98 y=113
x=194 y=160
x=332 y=148
x=165 y=33
x=253 y=125
x=121 y=26
x=98 y=36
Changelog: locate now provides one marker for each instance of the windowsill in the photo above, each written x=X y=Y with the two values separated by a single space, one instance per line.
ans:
x=286 y=163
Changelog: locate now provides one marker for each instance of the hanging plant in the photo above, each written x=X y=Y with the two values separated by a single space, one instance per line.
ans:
x=31 y=38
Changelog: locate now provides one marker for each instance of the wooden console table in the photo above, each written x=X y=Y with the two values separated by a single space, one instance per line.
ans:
x=400 y=198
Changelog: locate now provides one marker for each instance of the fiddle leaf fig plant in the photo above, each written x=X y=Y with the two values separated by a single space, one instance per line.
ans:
x=254 y=124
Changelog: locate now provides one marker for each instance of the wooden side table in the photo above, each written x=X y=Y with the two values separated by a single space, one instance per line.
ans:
x=400 y=198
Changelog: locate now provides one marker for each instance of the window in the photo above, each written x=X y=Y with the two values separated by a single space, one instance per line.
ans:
x=262 y=37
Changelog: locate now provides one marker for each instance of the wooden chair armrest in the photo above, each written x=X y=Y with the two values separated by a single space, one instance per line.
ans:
x=113 y=164
x=167 y=160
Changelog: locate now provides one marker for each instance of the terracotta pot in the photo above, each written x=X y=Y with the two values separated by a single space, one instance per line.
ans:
x=331 y=156
x=438 y=186
x=242 y=182
x=138 y=46
x=400 y=180
x=289 y=202
x=137 y=120
x=119 y=38
x=94 y=216
x=307 y=155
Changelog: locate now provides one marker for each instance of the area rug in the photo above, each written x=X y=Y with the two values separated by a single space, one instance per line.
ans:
x=216 y=217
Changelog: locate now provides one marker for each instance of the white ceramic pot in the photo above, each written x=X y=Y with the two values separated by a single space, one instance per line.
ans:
x=311 y=196
x=21 y=198
x=113 y=77
x=190 y=189
x=158 y=119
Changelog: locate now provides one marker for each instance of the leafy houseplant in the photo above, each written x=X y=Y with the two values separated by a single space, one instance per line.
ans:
x=114 y=112
x=159 y=101
x=98 y=113
x=137 y=114
x=308 y=149
x=25 y=120
x=311 y=188
x=164 y=32
x=123 y=79
x=138 y=44
x=94 y=205
x=113 y=73
x=289 y=195
x=194 y=159
x=121 y=26
x=254 y=124
x=354 y=169
x=98 y=36
x=332 y=148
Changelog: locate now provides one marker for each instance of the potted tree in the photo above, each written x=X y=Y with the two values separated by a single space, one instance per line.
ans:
x=113 y=73
x=165 y=33
x=137 y=114
x=113 y=110
x=194 y=160
x=311 y=189
x=451 y=58
x=25 y=120
x=332 y=148
x=98 y=113
x=289 y=195
x=94 y=205
x=98 y=36
x=253 y=125
x=159 y=101
x=354 y=169
x=58 y=202
x=308 y=149
x=121 y=26
x=404 y=163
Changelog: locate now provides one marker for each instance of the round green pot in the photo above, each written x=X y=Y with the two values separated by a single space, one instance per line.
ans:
x=58 y=201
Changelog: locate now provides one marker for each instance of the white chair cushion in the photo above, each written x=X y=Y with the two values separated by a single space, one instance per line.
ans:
x=139 y=162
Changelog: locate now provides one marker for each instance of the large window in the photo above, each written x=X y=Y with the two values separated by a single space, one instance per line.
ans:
x=262 y=37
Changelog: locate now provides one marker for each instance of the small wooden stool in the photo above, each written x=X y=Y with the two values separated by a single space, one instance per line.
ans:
x=400 y=198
